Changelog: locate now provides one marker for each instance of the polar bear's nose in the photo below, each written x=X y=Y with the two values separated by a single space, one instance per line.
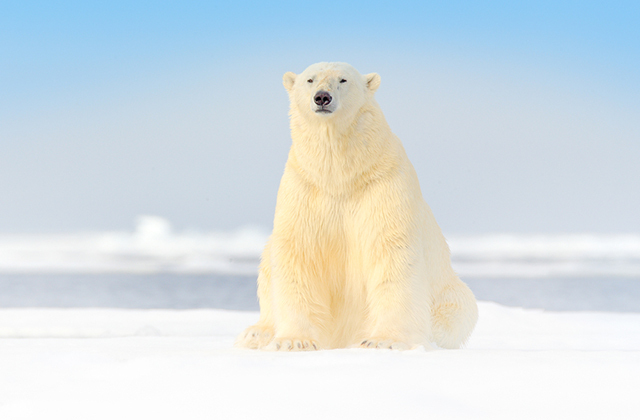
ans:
x=322 y=98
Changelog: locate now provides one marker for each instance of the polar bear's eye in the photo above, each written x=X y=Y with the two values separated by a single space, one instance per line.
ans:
x=310 y=80
x=343 y=81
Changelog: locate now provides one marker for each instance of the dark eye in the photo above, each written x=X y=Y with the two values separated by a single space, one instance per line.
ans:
x=343 y=81
x=310 y=80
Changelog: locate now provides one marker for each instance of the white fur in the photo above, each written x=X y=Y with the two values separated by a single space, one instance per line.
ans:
x=356 y=257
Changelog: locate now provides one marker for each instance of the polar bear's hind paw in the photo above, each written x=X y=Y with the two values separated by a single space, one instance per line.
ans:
x=255 y=337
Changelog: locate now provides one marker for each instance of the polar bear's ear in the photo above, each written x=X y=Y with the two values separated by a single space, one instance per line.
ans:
x=288 y=80
x=373 y=81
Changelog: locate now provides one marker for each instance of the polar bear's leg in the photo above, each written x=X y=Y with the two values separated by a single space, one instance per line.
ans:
x=454 y=314
x=395 y=320
x=259 y=335
x=300 y=297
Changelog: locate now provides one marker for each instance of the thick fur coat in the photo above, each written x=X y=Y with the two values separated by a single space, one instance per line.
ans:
x=356 y=257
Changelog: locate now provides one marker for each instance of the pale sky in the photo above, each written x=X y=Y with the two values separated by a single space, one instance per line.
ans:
x=518 y=118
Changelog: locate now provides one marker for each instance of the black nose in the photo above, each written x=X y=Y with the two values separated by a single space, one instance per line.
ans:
x=322 y=98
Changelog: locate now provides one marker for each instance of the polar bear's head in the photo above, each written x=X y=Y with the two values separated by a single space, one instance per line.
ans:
x=326 y=91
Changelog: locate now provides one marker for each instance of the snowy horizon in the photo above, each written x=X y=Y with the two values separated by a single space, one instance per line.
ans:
x=155 y=247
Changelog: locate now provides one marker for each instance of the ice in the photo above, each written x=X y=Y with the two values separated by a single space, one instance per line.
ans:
x=155 y=247
x=559 y=255
x=168 y=364
x=152 y=248
x=106 y=363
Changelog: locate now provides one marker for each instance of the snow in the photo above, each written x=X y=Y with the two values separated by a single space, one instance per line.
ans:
x=559 y=255
x=91 y=363
x=154 y=247
x=168 y=364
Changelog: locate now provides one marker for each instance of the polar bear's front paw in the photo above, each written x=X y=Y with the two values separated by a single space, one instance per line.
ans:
x=373 y=343
x=292 y=344
x=255 y=337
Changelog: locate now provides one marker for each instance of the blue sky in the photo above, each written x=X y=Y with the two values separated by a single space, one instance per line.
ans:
x=70 y=44
x=518 y=116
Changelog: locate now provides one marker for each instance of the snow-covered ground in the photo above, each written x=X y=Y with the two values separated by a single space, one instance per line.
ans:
x=168 y=364
x=154 y=247
x=108 y=363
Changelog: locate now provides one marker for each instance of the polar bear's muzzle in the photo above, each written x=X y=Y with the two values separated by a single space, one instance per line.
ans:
x=324 y=102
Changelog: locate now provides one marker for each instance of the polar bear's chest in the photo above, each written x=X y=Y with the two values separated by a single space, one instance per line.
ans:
x=345 y=224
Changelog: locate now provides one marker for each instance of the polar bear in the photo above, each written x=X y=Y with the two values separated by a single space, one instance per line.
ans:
x=356 y=258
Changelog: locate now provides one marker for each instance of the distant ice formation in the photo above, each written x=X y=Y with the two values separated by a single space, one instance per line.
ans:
x=560 y=255
x=154 y=247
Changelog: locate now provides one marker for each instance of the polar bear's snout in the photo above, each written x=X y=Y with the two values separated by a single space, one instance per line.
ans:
x=322 y=98
x=323 y=101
